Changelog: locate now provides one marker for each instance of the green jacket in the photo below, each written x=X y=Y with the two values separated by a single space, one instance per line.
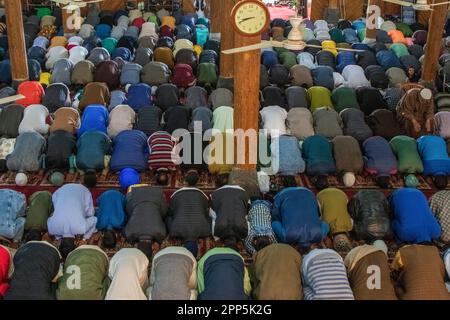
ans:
x=399 y=49
x=319 y=97
x=93 y=281
x=344 y=98
x=40 y=209
x=288 y=59
x=405 y=149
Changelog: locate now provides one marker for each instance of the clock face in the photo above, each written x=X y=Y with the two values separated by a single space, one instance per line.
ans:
x=250 y=17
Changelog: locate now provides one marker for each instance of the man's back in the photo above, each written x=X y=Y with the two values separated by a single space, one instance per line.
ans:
x=188 y=214
x=92 y=147
x=146 y=209
x=277 y=272
x=421 y=273
x=72 y=205
x=230 y=204
x=325 y=277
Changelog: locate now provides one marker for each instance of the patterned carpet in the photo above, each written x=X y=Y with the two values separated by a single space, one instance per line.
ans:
x=39 y=181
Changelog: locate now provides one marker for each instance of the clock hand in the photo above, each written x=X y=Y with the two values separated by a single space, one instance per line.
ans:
x=246 y=19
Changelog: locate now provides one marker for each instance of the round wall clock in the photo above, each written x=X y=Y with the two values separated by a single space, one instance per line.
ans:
x=250 y=18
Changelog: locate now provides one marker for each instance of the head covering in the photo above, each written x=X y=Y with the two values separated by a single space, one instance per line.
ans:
x=381 y=245
x=57 y=179
x=349 y=179
x=21 y=179
x=128 y=177
x=411 y=181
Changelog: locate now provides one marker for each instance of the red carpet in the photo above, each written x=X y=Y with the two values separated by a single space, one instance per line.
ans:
x=39 y=182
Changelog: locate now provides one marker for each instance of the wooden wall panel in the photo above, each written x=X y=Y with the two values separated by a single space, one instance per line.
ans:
x=113 y=5
x=188 y=6
x=391 y=9
x=354 y=9
x=318 y=8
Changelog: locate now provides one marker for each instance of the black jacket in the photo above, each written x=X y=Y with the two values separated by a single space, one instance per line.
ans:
x=167 y=95
x=369 y=210
x=377 y=76
x=384 y=123
x=188 y=215
x=10 y=119
x=146 y=209
x=36 y=264
x=370 y=99
x=60 y=146
x=176 y=117
x=149 y=120
x=230 y=203
x=57 y=95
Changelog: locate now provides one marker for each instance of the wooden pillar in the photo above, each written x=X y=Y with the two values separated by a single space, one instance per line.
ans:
x=16 y=40
x=217 y=15
x=188 y=6
x=246 y=94
x=226 y=39
x=434 y=42
x=371 y=29
x=333 y=4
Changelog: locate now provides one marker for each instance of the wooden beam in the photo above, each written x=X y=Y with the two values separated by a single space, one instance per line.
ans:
x=16 y=40
x=246 y=94
x=434 y=42
x=226 y=39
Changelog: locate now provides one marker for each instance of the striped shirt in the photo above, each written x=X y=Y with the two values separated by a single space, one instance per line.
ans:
x=2 y=28
x=161 y=146
x=325 y=277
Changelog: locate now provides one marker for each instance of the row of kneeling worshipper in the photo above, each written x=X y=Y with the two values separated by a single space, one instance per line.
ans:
x=141 y=73
x=290 y=236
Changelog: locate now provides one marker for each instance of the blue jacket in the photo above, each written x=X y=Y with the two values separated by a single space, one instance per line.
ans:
x=413 y=221
x=139 y=95
x=269 y=59
x=111 y=210
x=123 y=53
x=387 y=59
x=103 y=31
x=92 y=147
x=318 y=154
x=222 y=275
x=289 y=158
x=323 y=77
x=295 y=217
x=95 y=118
x=130 y=151
x=12 y=214
x=344 y=59
x=379 y=159
x=433 y=151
